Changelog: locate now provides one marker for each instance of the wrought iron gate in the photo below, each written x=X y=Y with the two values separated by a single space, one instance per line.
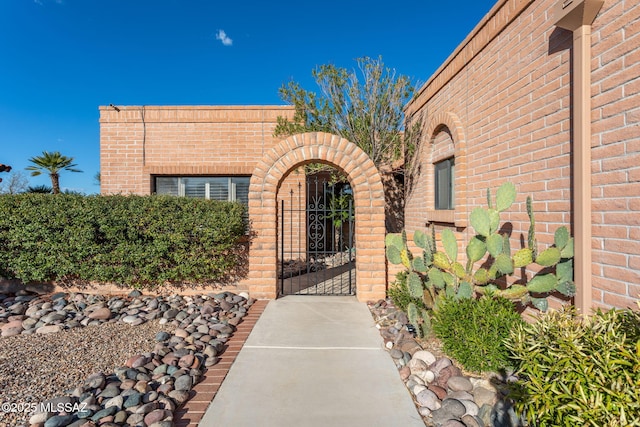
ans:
x=316 y=240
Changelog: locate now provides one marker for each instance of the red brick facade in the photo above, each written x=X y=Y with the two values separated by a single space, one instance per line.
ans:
x=501 y=104
x=138 y=143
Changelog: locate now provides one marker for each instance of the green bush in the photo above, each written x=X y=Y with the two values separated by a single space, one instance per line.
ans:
x=473 y=331
x=574 y=372
x=132 y=240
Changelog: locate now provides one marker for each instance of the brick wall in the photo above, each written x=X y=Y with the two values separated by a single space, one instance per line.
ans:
x=504 y=96
x=139 y=142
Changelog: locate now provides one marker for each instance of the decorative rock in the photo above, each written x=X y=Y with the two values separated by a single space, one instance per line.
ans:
x=426 y=356
x=453 y=423
x=439 y=391
x=132 y=400
x=441 y=416
x=11 y=331
x=116 y=401
x=186 y=361
x=183 y=383
x=48 y=329
x=471 y=421
x=104 y=413
x=484 y=414
x=439 y=365
x=58 y=421
x=454 y=406
x=100 y=314
x=484 y=396
x=170 y=314
x=40 y=418
x=460 y=395
x=405 y=372
x=459 y=383
x=417 y=365
x=120 y=417
x=155 y=416
x=135 y=419
x=95 y=381
x=426 y=376
x=470 y=407
x=428 y=399
x=443 y=377
x=424 y=411
x=146 y=408
x=162 y=336
x=179 y=396
x=396 y=354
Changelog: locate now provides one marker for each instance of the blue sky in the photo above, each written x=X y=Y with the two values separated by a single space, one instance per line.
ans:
x=61 y=59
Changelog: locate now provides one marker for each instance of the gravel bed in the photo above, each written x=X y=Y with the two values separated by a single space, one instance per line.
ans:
x=34 y=368
x=74 y=359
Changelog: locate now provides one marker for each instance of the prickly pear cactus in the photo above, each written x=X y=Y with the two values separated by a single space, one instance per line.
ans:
x=436 y=274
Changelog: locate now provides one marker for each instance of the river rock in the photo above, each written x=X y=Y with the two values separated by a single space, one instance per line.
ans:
x=459 y=383
x=100 y=314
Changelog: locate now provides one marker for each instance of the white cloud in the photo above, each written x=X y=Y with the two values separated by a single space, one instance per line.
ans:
x=222 y=36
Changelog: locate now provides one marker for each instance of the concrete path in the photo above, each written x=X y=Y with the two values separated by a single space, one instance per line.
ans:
x=313 y=361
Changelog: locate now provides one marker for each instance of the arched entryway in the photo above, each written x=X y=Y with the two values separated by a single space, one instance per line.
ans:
x=368 y=195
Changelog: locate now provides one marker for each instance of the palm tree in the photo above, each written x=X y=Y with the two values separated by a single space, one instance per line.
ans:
x=52 y=163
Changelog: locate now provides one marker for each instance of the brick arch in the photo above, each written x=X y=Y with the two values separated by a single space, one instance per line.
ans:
x=368 y=194
x=453 y=123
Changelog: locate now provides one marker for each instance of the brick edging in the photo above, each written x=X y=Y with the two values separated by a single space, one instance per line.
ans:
x=190 y=414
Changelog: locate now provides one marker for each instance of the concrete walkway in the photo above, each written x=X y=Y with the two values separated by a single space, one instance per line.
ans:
x=313 y=361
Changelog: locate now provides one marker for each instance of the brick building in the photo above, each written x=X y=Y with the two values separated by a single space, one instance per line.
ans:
x=542 y=93
x=230 y=153
x=170 y=150
x=545 y=94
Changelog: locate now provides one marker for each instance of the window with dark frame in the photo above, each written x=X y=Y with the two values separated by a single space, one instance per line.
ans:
x=444 y=184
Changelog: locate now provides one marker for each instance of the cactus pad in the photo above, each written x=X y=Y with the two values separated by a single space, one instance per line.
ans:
x=542 y=283
x=505 y=196
x=393 y=255
x=481 y=276
x=450 y=244
x=561 y=237
x=494 y=244
x=420 y=239
x=476 y=249
x=435 y=277
x=522 y=258
x=414 y=283
x=440 y=260
x=465 y=291
x=549 y=257
x=504 y=264
x=419 y=265
x=514 y=292
x=480 y=221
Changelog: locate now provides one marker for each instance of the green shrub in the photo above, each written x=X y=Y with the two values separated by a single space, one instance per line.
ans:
x=473 y=331
x=578 y=373
x=131 y=240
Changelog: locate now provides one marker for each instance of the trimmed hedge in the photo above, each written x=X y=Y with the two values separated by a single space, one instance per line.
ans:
x=139 y=241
